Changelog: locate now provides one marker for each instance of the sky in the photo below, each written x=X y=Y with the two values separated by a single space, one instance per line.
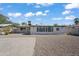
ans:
x=41 y=13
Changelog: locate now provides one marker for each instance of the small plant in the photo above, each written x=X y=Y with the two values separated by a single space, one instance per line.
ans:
x=5 y=30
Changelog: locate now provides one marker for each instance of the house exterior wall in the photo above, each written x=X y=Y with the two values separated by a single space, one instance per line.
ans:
x=33 y=30
x=62 y=30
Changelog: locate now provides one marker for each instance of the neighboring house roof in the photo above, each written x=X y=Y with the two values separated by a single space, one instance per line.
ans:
x=3 y=25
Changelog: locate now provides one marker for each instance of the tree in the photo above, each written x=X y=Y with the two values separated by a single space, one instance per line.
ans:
x=15 y=24
x=76 y=21
x=24 y=23
x=55 y=24
x=4 y=19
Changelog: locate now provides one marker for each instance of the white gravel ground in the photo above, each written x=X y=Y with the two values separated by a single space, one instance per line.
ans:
x=39 y=45
x=57 y=45
x=17 y=45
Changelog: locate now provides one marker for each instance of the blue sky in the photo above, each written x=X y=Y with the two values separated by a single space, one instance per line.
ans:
x=41 y=13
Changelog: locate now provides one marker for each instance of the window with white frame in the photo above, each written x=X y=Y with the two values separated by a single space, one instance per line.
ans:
x=44 y=29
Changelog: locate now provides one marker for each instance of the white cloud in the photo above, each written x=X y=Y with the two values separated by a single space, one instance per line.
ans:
x=57 y=18
x=39 y=13
x=17 y=14
x=46 y=11
x=37 y=6
x=45 y=4
x=66 y=12
x=44 y=14
x=14 y=14
x=29 y=14
x=10 y=14
x=71 y=6
x=71 y=17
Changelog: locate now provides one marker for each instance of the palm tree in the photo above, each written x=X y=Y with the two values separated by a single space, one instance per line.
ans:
x=76 y=21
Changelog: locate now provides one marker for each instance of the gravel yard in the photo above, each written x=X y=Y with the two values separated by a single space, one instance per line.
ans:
x=17 y=45
x=57 y=45
x=39 y=45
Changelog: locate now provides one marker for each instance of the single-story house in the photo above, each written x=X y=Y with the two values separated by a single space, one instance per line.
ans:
x=40 y=29
x=48 y=30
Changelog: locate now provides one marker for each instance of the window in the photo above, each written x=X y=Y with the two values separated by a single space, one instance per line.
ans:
x=49 y=29
x=22 y=29
x=57 y=29
x=37 y=29
x=45 y=29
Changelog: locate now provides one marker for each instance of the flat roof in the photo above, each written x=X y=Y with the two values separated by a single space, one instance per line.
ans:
x=47 y=26
x=40 y=26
